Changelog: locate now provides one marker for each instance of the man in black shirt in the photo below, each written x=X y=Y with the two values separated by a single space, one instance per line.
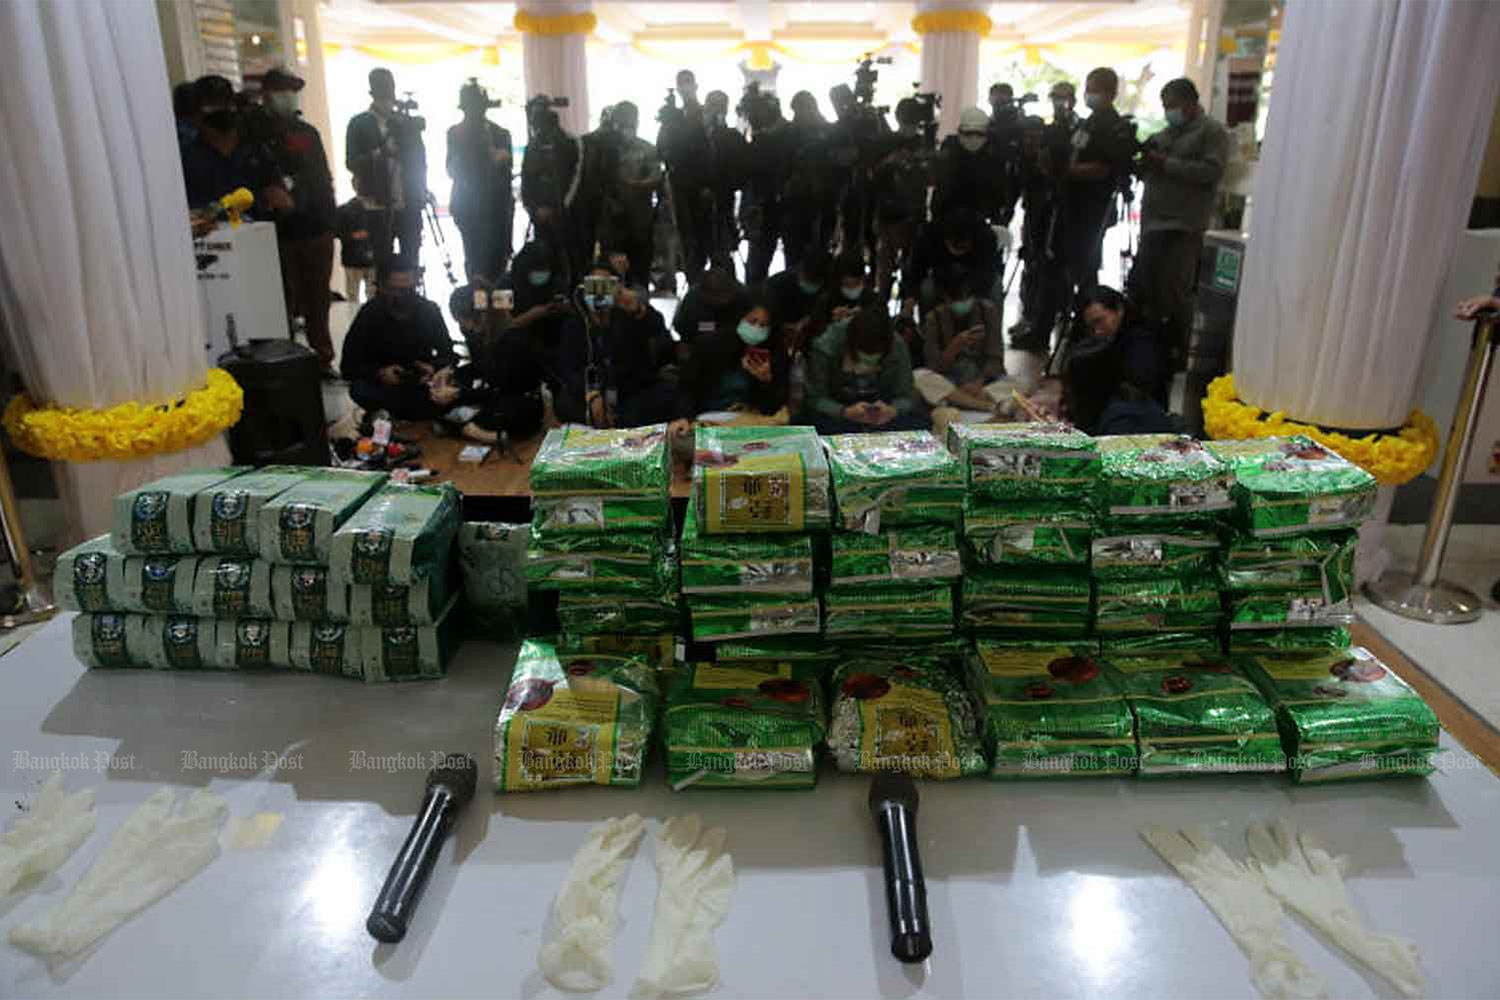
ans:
x=219 y=160
x=727 y=151
x=634 y=377
x=958 y=242
x=715 y=302
x=479 y=161
x=551 y=177
x=792 y=294
x=385 y=149
x=396 y=347
x=768 y=160
x=1103 y=146
x=683 y=144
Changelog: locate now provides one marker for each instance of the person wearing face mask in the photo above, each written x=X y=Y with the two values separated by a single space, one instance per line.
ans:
x=742 y=369
x=1049 y=149
x=1103 y=146
x=634 y=357
x=1182 y=166
x=727 y=152
x=1115 y=381
x=385 y=149
x=794 y=293
x=630 y=202
x=859 y=378
x=900 y=182
x=220 y=159
x=956 y=242
x=849 y=294
x=714 y=304
x=396 y=347
x=964 y=349
x=970 y=175
x=683 y=143
x=479 y=160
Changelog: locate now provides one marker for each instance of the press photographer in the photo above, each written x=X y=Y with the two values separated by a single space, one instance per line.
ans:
x=900 y=182
x=682 y=142
x=479 y=161
x=630 y=204
x=768 y=162
x=383 y=147
x=550 y=176
x=1047 y=151
x=729 y=163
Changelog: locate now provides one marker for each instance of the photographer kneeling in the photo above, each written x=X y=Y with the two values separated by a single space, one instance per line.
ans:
x=1115 y=380
x=633 y=353
x=396 y=347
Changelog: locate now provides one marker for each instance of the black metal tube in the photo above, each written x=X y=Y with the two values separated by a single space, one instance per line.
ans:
x=403 y=887
x=905 y=889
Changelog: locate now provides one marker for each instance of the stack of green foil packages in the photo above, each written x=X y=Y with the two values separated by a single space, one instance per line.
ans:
x=1050 y=711
x=1289 y=558
x=911 y=713
x=1344 y=715
x=1197 y=714
x=760 y=508
x=601 y=530
x=895 y=560
x=751 y=724
x=1155 y=558
x=319 y=570
x=1026 y=601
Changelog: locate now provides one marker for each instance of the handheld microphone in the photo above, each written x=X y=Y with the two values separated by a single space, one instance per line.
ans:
x=450 y=786
x=893 y=803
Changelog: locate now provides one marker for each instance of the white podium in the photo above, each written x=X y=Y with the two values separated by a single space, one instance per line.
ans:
x=242 y=278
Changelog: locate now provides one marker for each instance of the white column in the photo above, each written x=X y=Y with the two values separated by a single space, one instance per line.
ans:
x=556 y=60
x=310 y=67
x=1362 y=190
x=950 y=34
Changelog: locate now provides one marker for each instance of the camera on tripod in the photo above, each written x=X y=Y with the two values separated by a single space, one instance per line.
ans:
x=473 y=93
x=865 y=77
x=928 y=103
x=541 y=110
x=405 y=117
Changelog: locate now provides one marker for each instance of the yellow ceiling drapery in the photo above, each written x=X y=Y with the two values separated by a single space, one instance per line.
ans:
x=531 y=23
x=974 y=21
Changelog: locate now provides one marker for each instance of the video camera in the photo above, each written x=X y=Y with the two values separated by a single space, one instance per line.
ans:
x=472 y=90
x=541 y=110
x=758 y=108
x=404 y=115
x=928 y=104
x=865 y=77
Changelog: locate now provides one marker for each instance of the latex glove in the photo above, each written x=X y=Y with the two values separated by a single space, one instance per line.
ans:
x=695 y=880
x=46 y=835
x=155 y=850
x=1239 y=898
x=577 y=953
x=1301 y=873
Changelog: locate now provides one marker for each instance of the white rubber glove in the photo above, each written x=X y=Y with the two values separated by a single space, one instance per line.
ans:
x=1239 y=898
x=695 y=880
x=45 y=837
x=153 y=851
x=577 y=951
x=1299 y=870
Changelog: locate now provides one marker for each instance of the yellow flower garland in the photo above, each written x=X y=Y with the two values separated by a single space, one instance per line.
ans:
x=528 y=23
x=129 y=430
x=975 y=21
x=1392 y=460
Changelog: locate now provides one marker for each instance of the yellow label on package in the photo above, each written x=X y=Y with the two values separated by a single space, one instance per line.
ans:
x=757 y=493
x=569 y=740
x=740 y=677
x=908 y=730
x=1309 y=666
x=1000 y=662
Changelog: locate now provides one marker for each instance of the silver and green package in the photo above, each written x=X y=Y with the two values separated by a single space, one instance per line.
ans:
x=1026 y=461
x=744 y=725
x=1166 y=603
x=877 y=610
x=101 y=640
x=892 y=479
x=409 y=652
x=586 y=479
x=82 y=578
x=760 y=480
x=492 y=556
x=1280 y=640
x=1285 y=486
x=158 y=517
x=891 y=716
x=326 y=648
x=1050 y=711
x=233 y=587
x=792 y=649
x=297 y=526
x=159 y=585
x=728 y=564
x=399 y=535
x=1344 y=714
x=393 y=604
x=717 y=617
x=1026 y=531
x=171 y=642
x=303 y=594
x=1198 y=715
x=1046 y=599
x=923 y=554
x=226 y=517
x=1126 y=555
x=1163 y=477
x=1323 y=559
x=571 y=720
x=626 y=614
x=252 y=644
x=1304 y=607
x=947 y=652
x=613 y=563
x=659 y=651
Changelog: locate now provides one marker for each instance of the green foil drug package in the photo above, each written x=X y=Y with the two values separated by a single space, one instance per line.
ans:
x=1286 y=486
x=326 y=648
x=157 y=518
x=1026 y=532
x=1167 y=603
x=809 y=649
x=613 y=563
x=1163 y=477
x=892 y=716
x=297 y=526
x=1051 y=711
x=878 y=610
x=586 y=479
x=172 y=642
x=659 y=651
x=1134 y=555
x=1198 y=715
x=1346 y=715
x=574 y=719
x=1275 y=610
x=101 y=640
x=761 y=480
x=226 y=517
x=157 y=585
x=618 y=614
x=252 y=644
x=744 y=725
x=750 y=563
x=893 y=479
x=408 y=652
x=389 y=605
x=926 y=554
x=81 y=579
x=1323 y=559
x=1282 y=640
x=717 y=617
x=1026 y=461
x=492 y=556
x=400 y=535
x=1153 y=643
x=233 y=587
x=303 y=594
x=1034 y=599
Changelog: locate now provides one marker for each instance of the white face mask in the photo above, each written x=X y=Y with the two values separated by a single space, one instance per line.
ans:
x=971 y=143
x=283 y=102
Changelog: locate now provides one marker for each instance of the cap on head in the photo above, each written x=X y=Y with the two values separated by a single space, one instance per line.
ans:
x=472 y=95
x=213 y=92
x=974 y=120
x=382 y=82
x=279 y=78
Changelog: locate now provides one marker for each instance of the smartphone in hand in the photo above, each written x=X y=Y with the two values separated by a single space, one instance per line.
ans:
x=758 y=355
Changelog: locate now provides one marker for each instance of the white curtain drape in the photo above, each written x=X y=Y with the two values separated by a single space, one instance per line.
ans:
x=950 y=66
x=97 y=277
x=1372 y=151
x=557 y=65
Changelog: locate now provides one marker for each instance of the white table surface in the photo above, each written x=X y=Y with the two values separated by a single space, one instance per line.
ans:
x=1035 y=890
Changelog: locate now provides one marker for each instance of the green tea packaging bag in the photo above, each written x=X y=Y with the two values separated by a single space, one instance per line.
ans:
x=399 y=535
x=1321 y=559
x=789 y=649
x=921 y=554
x=616 y=563
x=81 y=580
x=171 y=642
x=1143 y=554
x=252 y=644
x=233 y=587
x=891 y=479
x=1027 y=532
x=395 y=604
x=1163 y=478
x=304 y=594
x=878 y=610
x=724 y=564
x=1167 y=603
x=891 y=716
x=326 y=648
x=1026 y=599
x=158 y=517
x=717 y=617
x=408 y=652
x=1286 y=486
x=297 y=526
x=659 y=651
x=160 y=585
x=226 y=517
x=761 y=480
x=101 y=640
x=631 y=614
x=585 y=479
x=1026 y=461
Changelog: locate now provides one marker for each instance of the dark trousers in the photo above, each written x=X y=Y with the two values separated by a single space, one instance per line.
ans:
x=487 y=244
x=763 y=230
x=694 y=226
x=407 y=401
x=1164 y=280
x=306 y=273
x=407 y=230
x=652 y=404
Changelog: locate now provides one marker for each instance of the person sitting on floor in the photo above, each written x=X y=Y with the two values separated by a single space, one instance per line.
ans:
x=395 y=346
x=715 y=304
x=859 y=378
x=743 y=370
x=964 y=348
x=549 y=327
x=635 y=358
x=794 y=293
x=1116 y=379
